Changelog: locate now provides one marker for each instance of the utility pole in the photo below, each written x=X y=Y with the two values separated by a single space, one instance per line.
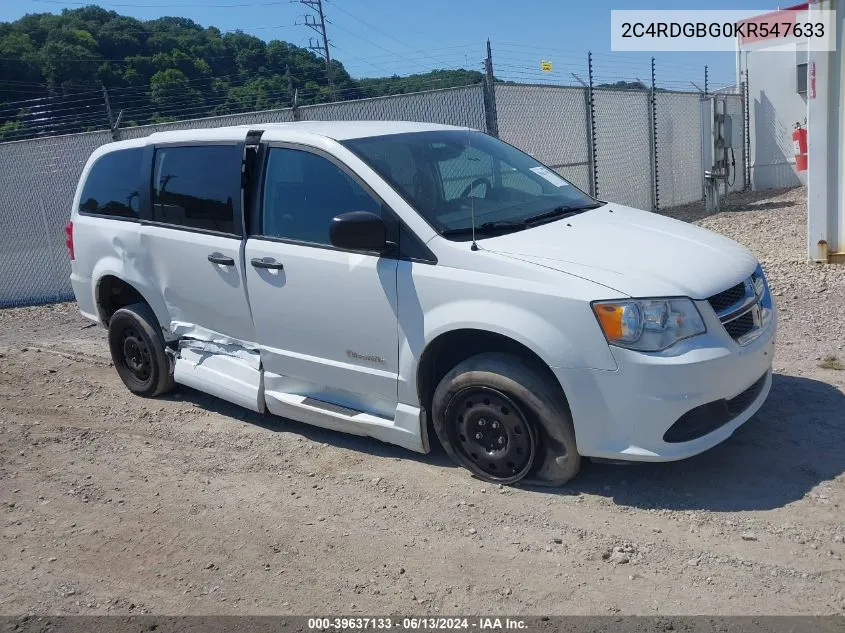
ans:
x=319 y=26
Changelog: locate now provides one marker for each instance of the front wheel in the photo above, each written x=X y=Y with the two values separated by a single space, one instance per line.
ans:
x=505 y=422
x=137 y=350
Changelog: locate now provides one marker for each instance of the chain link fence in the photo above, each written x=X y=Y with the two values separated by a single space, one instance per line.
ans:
x=38 y=179
x=462 y=106
x=679 y=168
x=623 y=147
x=550 y=123
x=608 y=147
x=253 y=118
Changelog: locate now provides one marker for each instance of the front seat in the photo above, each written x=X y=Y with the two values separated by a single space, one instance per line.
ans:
x=425 y=191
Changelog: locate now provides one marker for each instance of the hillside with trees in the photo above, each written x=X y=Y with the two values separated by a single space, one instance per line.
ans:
x=53 y=68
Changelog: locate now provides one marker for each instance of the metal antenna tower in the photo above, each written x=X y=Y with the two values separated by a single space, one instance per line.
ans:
x=317 y=23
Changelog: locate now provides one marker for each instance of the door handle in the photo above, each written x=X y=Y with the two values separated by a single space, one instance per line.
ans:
x=267 y=263
x=223 y=260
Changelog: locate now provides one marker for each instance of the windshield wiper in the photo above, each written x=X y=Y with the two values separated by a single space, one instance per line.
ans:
x=487 y=227
x=560 y=212
x=496 y=226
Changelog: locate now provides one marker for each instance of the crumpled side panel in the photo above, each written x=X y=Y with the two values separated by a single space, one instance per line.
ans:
x=182 y=329
x=251 y=357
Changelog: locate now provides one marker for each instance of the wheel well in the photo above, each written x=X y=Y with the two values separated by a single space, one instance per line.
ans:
x=451 y=348
x=113 y=294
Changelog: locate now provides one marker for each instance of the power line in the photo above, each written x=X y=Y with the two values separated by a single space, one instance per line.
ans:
x=377 y=30
x=169 y=6
x=366 y=61
x=452 y=53
x=379 y=46
x=618 y=59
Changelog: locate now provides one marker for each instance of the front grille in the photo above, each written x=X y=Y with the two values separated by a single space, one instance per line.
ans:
x=740 y=326
x=708 y=417
x=727 y=298
x=744 y=309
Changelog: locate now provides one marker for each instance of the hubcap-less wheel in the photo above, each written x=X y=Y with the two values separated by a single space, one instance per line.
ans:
x=139 y=352
x=491 y=434
x=136 y=355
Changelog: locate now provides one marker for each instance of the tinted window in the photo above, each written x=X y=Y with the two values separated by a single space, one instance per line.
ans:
x=303 y=192
x=112 y=185
x=197 y=186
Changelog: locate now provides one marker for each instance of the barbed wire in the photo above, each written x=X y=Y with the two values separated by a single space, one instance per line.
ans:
x=184 y=108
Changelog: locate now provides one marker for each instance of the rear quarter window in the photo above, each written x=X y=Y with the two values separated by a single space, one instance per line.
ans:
x=198 y=187
x=113 y=184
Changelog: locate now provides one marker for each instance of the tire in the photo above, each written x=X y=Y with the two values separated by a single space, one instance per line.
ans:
x=505 y=422
x=138 y=351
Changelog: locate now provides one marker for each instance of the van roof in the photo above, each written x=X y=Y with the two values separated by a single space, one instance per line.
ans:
x=297 y=131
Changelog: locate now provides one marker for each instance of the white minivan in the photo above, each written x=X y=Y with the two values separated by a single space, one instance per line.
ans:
x=385 y=278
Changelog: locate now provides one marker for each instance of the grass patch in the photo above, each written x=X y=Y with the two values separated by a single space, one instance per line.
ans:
x=831 y=362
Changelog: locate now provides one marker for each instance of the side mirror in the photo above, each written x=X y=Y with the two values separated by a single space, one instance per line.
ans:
x=359 y=231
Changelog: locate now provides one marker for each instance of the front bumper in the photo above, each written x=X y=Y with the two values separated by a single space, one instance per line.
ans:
x=624 y=414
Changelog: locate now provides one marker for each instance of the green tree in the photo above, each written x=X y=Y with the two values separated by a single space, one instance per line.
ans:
x=169 y=88
x=19 y=62
x=10 y=130
x=170 y=67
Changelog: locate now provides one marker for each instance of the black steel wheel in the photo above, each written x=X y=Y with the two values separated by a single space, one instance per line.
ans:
x=506 y=419
x=138 y=351
x=491 y=434
x=136 y=355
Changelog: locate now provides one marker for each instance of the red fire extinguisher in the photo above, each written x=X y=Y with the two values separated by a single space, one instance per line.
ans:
x=799 y=141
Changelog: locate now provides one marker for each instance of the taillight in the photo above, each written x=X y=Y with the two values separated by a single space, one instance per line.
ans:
x=69 y=238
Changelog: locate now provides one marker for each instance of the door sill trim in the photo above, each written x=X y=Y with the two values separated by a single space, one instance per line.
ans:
x=405 y=429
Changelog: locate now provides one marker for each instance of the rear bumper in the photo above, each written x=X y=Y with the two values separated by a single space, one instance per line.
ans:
x=625 y=414
x=85 y=299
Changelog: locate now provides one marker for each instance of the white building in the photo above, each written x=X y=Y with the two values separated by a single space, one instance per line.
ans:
x=787 y=84
x=777 y=92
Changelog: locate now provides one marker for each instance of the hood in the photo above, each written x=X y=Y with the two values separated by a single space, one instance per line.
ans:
x=637 y=253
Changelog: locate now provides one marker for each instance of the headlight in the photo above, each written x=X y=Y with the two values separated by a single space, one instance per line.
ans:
x=648 y=325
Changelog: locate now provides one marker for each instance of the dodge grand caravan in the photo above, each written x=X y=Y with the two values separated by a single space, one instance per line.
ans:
x=386 y=278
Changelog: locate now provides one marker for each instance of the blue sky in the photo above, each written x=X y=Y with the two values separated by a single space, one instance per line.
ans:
x=381 y=37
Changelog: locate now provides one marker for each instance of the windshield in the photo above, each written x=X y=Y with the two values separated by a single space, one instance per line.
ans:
x=450 y=175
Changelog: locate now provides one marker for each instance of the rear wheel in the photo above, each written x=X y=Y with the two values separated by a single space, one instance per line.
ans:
x=138 y=351
x=505 y=422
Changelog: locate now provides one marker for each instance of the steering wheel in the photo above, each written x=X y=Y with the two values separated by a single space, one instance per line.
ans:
x=478 y=181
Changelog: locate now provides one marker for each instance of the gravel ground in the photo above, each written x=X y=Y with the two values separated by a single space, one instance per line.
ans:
x=187 y=505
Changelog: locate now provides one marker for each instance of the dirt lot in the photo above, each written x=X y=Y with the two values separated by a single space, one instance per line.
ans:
x=114 y=504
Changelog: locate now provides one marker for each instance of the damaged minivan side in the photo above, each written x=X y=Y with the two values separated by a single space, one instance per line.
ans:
x=385 y=278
